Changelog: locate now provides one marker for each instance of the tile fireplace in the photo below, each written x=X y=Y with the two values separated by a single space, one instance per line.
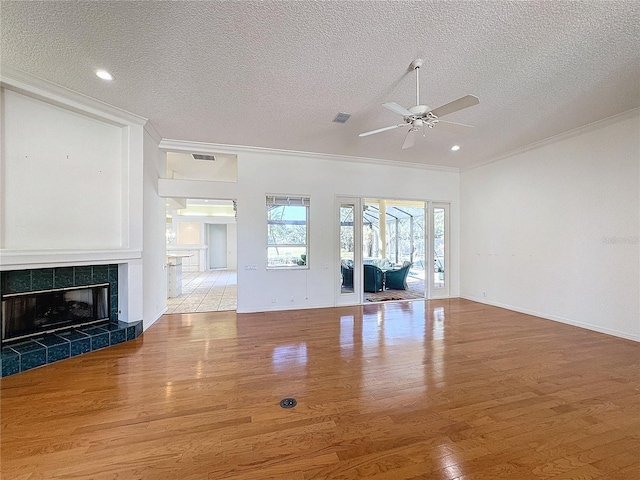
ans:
x=50 y=314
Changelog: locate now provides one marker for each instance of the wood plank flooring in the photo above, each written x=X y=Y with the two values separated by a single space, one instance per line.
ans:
x=446 y=389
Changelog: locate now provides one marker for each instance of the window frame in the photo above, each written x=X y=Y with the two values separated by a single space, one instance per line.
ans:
x=278 y=200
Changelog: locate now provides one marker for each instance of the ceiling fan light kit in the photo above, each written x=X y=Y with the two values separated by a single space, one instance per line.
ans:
x=420 y=117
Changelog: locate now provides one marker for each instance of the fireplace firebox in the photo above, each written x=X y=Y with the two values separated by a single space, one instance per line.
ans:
x=30 y=314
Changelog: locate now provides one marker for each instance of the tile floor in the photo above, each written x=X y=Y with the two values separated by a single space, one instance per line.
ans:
x=209 y=291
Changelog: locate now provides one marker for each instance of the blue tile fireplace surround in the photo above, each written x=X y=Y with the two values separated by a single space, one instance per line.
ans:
x=25 y=354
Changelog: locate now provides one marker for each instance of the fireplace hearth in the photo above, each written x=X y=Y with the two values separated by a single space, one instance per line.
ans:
x=61 y=287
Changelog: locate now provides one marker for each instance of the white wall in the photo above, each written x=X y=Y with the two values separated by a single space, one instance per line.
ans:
x=232 y=246
x=154 y=302
x=62 y=178
x=554 y=230
x=189 y=233
x=71 y=193
x=322 y=178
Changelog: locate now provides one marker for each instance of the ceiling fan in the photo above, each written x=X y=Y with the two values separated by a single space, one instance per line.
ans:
x=421 y=116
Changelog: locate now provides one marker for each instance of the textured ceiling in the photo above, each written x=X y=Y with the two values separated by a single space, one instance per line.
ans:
x=275 y=74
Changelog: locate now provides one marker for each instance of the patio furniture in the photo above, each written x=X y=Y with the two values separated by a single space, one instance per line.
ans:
x=381 y=263
x=373 y=279
x=347 y=275
x=397 y=279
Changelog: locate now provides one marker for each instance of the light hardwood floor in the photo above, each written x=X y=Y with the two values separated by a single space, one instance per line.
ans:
x=445 y=389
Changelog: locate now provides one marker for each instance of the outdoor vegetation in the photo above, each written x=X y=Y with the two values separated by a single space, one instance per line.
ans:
x=287 y=235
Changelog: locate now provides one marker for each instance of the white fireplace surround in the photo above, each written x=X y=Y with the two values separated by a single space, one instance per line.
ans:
x=72 y=172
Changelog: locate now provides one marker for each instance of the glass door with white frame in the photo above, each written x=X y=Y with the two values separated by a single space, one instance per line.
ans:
x=349 y=278
x=439 y=279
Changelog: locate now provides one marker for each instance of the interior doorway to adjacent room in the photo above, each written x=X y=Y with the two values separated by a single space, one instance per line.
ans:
x=217 y=243
x=201 y=255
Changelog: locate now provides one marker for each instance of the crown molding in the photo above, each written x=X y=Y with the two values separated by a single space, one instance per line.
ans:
x=151 y=130
x=184 y=146
x=561 y=136
x=36 y=87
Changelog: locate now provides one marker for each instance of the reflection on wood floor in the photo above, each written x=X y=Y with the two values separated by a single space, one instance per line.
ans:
x=446 y=389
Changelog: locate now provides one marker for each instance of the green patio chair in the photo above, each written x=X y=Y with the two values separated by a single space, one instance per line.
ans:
x=397 y=279
x=373 y=279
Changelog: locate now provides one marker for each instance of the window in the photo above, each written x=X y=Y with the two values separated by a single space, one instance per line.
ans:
x=287 y=231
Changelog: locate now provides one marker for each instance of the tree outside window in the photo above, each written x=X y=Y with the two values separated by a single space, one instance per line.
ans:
x=287 y=232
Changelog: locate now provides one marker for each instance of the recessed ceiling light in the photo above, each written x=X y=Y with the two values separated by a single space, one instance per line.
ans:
x=455 y=148
x=103 y=74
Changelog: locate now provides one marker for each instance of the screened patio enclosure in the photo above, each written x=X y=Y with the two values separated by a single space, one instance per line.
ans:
x=393 y=232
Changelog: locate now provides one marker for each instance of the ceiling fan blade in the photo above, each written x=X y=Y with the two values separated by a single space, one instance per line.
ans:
x=459 y=104
x=394 y=107
x=365 y=134
x=410 y=139
x=453 y=127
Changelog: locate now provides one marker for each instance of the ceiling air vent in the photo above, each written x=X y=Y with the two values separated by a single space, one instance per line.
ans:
x=342 y=117
x=203 y=157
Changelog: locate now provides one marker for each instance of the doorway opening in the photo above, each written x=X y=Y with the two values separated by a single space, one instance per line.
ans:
x=201 y=255
x=393 y=249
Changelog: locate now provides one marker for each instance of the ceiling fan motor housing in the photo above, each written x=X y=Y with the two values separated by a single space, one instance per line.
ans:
x=421 y=116
x=419 y=110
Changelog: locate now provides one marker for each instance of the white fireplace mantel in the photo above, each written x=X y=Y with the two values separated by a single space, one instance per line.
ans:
x=26 y=259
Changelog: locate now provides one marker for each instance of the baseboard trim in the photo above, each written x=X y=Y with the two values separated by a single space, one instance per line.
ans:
x=555 y=318
x=281 y=308
x=146 y=325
